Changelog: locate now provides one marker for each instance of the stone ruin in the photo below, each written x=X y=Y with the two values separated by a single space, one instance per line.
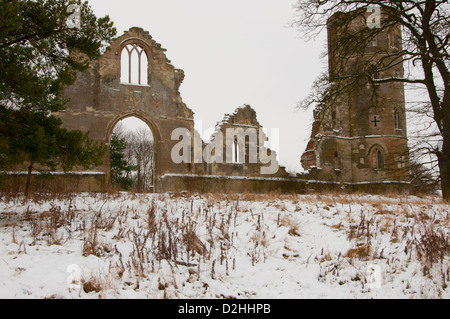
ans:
x=352 y=146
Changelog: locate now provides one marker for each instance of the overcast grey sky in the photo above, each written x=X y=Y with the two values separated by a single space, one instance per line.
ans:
x=233 y=52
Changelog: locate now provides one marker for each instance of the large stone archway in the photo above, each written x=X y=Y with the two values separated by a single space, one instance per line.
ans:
x=98 y=100
x=155 y=132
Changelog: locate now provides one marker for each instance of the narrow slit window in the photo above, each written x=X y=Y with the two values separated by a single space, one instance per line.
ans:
x=237 y=155
x=378 y=159
x=376 y=75
x=397 y=120
x=235 y=151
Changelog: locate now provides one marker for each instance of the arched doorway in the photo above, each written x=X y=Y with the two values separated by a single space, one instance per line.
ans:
x=132 y=154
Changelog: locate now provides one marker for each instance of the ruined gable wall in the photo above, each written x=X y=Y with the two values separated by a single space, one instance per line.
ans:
x=98 y=99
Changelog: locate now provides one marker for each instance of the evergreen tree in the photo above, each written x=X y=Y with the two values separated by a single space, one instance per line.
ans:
x=39 y=141
x=41 y=49
x=43 y=44
x=120 y=168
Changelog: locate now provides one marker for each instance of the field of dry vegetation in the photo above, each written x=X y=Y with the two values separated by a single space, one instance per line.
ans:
x=224 y=246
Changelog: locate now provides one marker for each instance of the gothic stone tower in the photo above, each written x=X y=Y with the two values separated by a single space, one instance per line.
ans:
x=360 y=138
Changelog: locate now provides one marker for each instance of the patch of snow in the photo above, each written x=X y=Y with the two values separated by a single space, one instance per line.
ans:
x=236 y=246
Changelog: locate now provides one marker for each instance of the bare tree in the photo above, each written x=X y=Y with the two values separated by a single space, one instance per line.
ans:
x=422 y=49
x=139 y=153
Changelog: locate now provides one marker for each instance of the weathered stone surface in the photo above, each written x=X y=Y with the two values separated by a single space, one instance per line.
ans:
x=342 y=151
x=347 y=136
x=99 y=100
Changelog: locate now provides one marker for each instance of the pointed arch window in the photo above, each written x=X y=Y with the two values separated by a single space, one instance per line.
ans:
x=134 y=65
x=236 y=152
x=378 y=158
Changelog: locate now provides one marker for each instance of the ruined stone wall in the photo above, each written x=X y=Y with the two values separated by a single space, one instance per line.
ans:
x=236 y=159
x=338 y=156
x=240 y=142
x=100 y=98
x=14 y=182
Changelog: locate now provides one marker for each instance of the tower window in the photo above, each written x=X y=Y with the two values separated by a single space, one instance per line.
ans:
x=134 y=65
x=236 y=152
x=333 y=117
x=378 y=158
x=376 y=75
x=397 y=120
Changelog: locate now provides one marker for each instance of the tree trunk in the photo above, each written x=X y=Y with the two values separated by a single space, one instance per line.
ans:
x=444 y=155
x=444 y=167
x=139 y=177
x=27 y=187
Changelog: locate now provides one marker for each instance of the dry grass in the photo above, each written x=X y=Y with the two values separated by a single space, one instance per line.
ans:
x=98 y=282
x=362 y=253
x=203 y=231
x=93 y=245
x=289 y=221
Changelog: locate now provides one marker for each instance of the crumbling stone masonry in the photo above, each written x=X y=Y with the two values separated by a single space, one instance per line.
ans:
x=149 y=90
x=360 y=141
x=352 y=145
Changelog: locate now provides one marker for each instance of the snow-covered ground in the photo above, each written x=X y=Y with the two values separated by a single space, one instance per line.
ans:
x=218 y=246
